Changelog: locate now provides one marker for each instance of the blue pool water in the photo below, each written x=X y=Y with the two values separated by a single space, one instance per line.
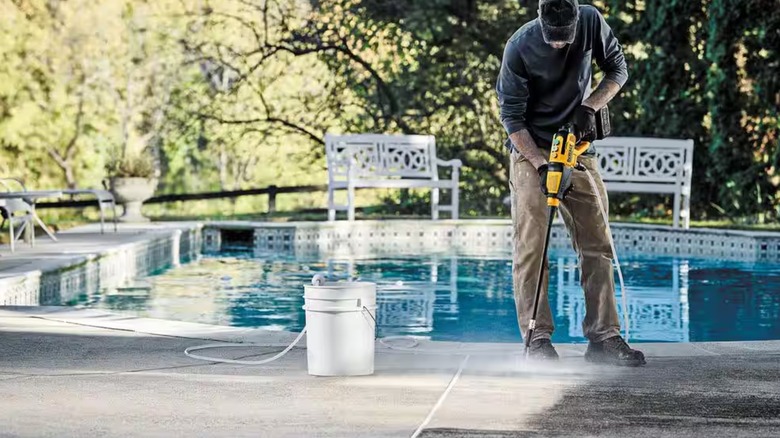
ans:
x=453 y=298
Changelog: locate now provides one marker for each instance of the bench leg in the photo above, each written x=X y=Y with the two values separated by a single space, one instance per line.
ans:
x=331 y=205
x=351 y=203
x=676 y=221
x=687 y=211
x=11 y=230
x=435 y=204
x=455 y=193
x=31 y=231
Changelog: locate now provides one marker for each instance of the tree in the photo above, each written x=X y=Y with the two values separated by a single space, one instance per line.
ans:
x=252 y=95
x=235 y=93
x=422 y=68
x=49 y=99
x=147 y=63
x=760 y=84
x=82 y=78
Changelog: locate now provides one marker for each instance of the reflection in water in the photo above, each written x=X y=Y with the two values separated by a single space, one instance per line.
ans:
x=656 y=312
x=453 y=298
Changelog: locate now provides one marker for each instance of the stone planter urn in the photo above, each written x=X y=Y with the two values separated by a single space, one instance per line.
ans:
x=132 y=192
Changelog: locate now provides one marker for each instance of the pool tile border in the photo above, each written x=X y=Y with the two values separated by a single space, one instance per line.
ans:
x=483 y=238
x=60 y=282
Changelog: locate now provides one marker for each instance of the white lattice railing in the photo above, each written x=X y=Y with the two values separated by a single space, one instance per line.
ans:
x=661 y=312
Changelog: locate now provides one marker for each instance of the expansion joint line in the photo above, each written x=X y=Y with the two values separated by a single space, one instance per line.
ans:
x=443 y=397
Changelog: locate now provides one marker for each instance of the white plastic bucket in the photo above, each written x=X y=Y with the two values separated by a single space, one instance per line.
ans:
x=340 y=327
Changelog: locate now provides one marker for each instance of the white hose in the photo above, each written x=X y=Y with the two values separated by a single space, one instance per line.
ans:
x=189 y=351
x=386 y=341
x=413 y=343
x=623 y=292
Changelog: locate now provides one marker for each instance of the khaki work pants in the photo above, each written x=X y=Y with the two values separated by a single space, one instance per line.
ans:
x=581 y=215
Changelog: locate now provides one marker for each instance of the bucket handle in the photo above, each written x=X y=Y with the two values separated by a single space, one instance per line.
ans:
x=376 y=328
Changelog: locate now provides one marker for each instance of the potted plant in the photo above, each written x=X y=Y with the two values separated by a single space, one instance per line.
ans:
x=133 y=180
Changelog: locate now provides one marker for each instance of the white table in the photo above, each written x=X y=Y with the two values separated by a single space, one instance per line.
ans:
x=31 y=197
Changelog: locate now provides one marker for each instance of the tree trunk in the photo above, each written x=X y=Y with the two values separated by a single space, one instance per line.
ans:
x=66 y=165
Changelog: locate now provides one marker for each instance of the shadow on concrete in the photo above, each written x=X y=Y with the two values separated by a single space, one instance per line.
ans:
x=704 y=396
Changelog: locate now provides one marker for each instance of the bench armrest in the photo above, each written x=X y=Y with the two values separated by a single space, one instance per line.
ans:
x=450 y=163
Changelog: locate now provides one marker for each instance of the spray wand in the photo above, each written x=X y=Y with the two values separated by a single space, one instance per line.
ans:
x=563 y=161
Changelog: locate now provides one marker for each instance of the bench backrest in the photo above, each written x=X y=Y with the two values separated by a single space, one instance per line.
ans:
x=374 y=156
x=633 y=161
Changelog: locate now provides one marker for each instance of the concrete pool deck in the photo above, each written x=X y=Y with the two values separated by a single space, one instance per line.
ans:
x=71 y=372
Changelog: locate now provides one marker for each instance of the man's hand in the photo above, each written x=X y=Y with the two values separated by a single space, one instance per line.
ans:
x=566 y=184
x=543 y=177
x=585 y=123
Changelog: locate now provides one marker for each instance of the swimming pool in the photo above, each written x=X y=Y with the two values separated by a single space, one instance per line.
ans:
x=455 y=298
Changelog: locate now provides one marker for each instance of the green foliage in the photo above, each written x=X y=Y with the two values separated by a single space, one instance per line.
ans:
x=700 y=69
x=232 y=94
x=132 y=166
x=423 y=67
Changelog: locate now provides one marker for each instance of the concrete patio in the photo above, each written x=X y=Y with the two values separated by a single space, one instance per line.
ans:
x=69 y=372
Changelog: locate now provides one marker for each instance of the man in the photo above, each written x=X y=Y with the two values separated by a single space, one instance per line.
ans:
x=545 y=82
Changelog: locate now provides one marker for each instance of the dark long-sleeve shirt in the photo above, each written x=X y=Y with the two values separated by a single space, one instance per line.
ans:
x=539 y=87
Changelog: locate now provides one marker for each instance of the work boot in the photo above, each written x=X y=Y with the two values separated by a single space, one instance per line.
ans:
x=614 y=351
x=542 y=349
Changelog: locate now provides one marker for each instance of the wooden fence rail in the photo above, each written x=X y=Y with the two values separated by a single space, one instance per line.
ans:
x=271 y=191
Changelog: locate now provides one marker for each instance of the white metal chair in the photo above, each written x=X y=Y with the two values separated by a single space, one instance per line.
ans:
x=648 y=165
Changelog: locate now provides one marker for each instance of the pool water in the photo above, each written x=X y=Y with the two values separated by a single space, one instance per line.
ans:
x=455 y=298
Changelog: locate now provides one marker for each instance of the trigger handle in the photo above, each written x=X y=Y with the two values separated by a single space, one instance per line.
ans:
x=581 y=148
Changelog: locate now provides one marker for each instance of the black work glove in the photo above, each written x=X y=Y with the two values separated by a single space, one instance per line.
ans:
x=566 y=184
x=585 y=123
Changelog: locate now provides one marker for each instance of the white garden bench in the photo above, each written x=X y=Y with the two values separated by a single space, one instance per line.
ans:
x=649 y=165
x=387 y=161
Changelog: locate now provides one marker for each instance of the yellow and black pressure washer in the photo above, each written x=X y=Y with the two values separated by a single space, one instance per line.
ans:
x=563 y=161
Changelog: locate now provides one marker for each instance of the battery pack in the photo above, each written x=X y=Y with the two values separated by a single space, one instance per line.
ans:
x=603 y=124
